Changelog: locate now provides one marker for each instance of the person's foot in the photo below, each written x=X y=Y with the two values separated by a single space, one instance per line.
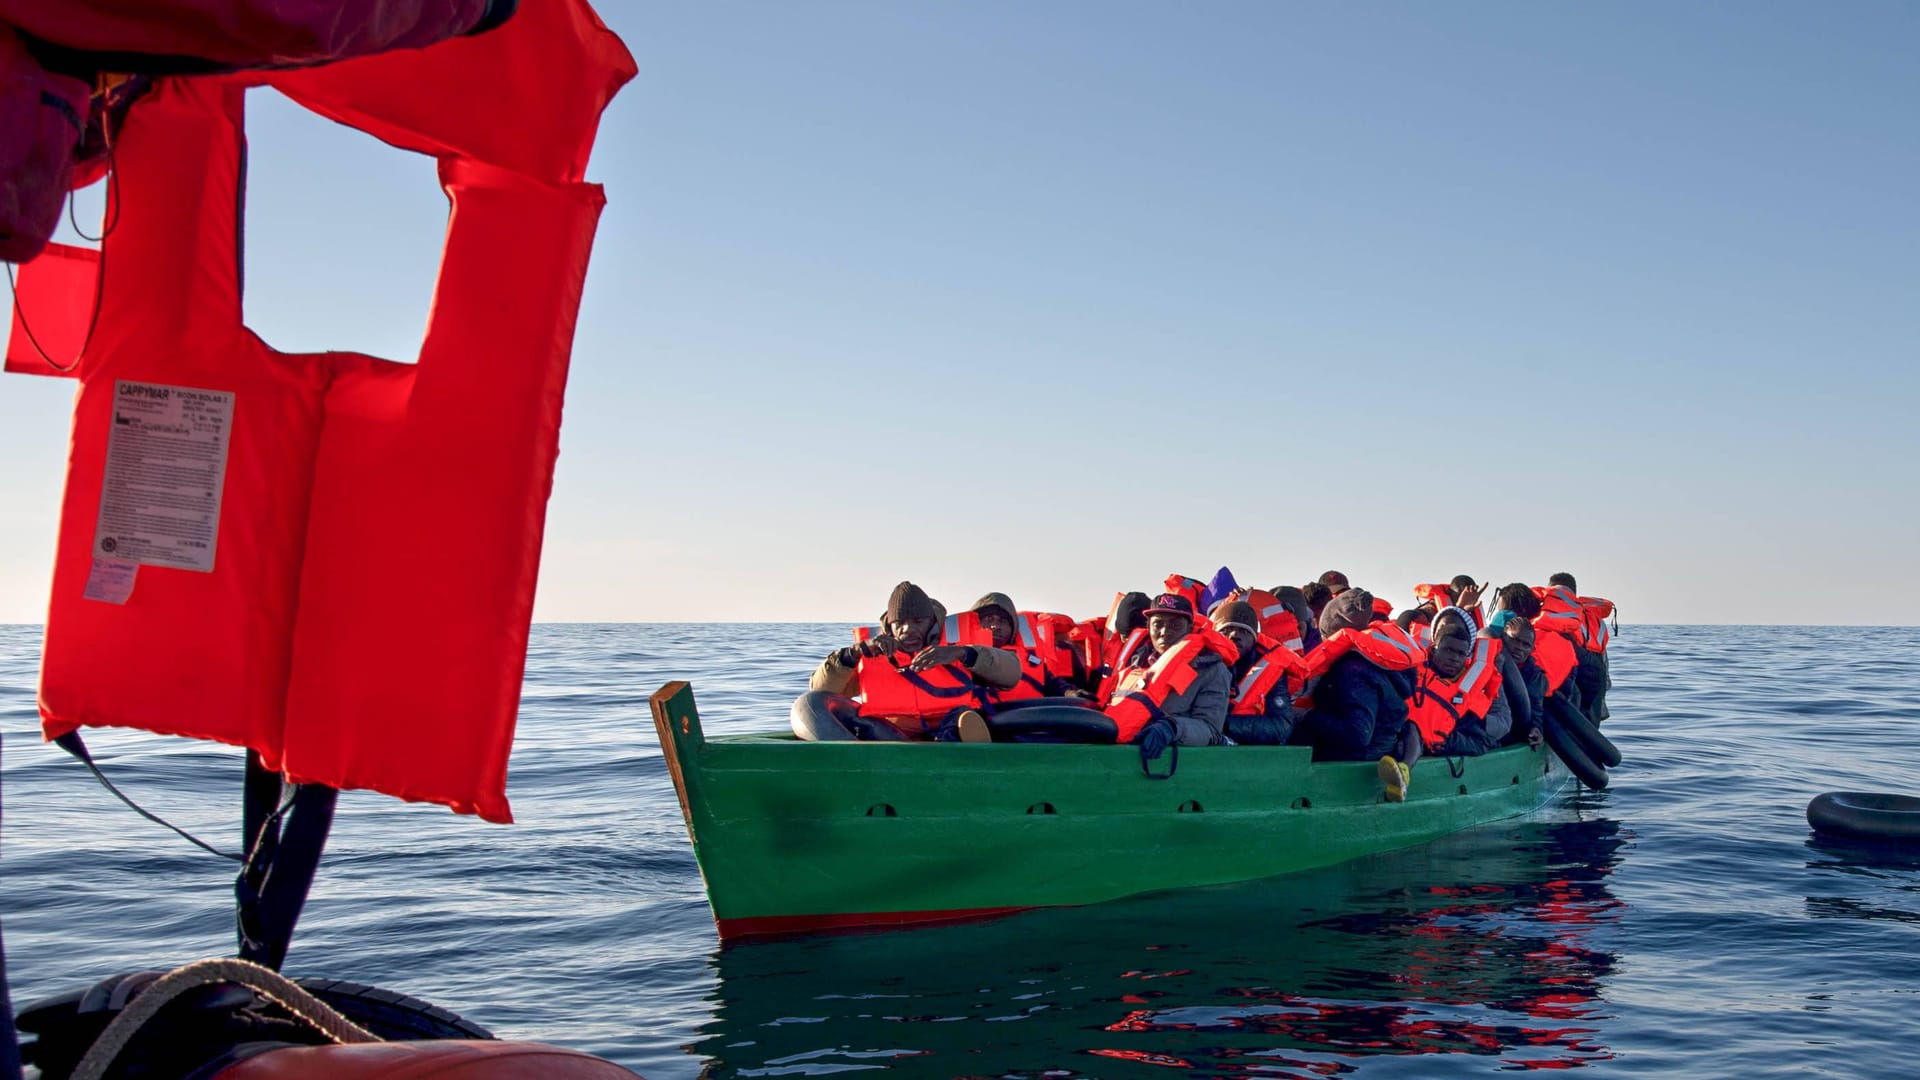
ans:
x=973 y=727
x=1396 y=777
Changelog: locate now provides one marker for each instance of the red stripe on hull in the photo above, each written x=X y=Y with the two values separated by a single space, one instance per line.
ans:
x=781 y=925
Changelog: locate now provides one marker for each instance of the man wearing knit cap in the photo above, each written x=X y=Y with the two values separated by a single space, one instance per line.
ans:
x=1269 y=720
x=1359 y=707
x=908 y=640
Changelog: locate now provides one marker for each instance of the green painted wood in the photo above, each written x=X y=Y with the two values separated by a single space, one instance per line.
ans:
x=785 y=829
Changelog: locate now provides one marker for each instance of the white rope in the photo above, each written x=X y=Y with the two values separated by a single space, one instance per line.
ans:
x=266 y=982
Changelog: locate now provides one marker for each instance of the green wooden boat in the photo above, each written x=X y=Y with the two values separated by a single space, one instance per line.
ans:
x=796 y=836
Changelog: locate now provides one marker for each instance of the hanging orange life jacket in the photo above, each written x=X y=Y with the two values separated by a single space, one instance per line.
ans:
x=1593 y=618
x=1139 y=692
x=1276 y=621
x=1272 y=662
x=915 y=702
x=1438 y=705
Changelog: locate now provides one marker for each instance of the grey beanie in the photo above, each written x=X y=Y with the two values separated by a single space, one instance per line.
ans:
x=1351 y=608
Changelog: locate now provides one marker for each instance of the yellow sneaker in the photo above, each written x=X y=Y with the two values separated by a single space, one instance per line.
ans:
x=973 y=727
x=1396 y=777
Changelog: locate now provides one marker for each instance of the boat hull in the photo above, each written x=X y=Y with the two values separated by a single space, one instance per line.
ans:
x=796 y=836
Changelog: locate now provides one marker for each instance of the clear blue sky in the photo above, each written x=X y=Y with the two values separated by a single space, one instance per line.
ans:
x=1055 y=298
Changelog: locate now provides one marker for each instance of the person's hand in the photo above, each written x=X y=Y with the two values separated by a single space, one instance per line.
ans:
x=1076 y=692
x=1154 y=739
x=879 y=645
x=936 y=655
x=1533 y=739
x=848 y=657
x=1469 y=597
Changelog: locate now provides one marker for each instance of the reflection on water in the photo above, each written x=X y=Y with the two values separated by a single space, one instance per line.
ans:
x=1481 y=944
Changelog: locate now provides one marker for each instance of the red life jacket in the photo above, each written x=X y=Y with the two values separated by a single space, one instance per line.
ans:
x=915 y=702
x=1593 y=617
x=1439 y=596
x=1421 y=633
x=1276 y=621
x=1191 y=588
x=1139 y=692
x=1382 y=608
x=1088 y=639
x=1438 y=705
x=1555 y=652
x=1385 y=644
x=1035 y=645
x=1119 y=649
x=1272 y=662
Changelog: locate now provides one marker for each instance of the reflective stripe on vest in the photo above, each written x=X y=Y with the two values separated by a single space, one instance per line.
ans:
x=1116 y=663
x=1275 y=664
x=1384 y=644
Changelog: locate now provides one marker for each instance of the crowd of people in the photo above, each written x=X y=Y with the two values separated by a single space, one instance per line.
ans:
x=1325 y=665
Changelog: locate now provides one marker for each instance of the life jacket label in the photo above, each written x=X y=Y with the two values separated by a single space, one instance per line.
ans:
x=111 y=580
x=166 y=470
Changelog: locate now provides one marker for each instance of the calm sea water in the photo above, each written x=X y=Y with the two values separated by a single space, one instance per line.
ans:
x=1681 y=923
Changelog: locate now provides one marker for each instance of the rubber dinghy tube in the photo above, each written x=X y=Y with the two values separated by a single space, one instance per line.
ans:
x=1568 y=748
x=1052 y=720
x=1866 y=815
x=1597 y=745
x=824 y=716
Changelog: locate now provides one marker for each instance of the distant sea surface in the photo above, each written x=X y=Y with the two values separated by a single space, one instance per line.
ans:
x=1682 y=923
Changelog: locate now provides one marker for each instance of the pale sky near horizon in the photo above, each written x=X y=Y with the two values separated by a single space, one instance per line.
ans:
x=1055 y=299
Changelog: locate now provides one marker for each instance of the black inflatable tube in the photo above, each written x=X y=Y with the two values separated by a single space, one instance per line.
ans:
x=1597 y=745
x=1866 y=815
x=1051 y=720
x=823 y=716
x=1567 y=747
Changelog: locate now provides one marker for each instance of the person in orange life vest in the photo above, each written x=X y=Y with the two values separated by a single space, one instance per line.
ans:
x=1261 y=710
x=906 y=648
x=1274 y=617
x=1382 y=609
x=1555 y=650
x=1295 y=601
x=1521 y=683
x=1454 y=690
x=1046 y=666
x=1359 y=706
x=1167 y=693
x=1416 y=621
x=1556 y=630
x=1592 y=676
x=1461 y=592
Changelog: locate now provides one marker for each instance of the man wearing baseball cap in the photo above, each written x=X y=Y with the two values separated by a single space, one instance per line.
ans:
x=1174 y=688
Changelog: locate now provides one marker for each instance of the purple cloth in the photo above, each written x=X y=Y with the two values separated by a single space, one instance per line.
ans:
x=1217 y=589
